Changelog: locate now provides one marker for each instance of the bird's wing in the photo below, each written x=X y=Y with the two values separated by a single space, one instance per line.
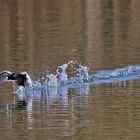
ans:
x=29 y=80
x=4 y=75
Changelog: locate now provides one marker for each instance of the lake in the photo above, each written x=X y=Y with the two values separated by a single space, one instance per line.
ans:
x=37 y=36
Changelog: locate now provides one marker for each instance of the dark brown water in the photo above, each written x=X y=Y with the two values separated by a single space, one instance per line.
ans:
x=36 y=35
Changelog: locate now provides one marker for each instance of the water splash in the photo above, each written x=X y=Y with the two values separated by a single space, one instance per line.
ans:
x=83 y=73
x=61 y=73
x=52 y=80
x=21 y=93
x=57 y=86
x=36 y=85
x=60 y=79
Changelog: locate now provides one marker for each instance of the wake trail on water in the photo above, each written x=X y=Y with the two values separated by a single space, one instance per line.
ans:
x=82 y=76
x=61 y=80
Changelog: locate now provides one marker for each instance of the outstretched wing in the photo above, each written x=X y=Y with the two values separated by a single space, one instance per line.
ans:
x=4 y=75
x=29 y=80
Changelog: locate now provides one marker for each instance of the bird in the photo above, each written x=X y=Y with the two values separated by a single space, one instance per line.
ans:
x=18 y=78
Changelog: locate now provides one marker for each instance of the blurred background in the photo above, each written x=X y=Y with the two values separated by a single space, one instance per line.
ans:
x=39 y=35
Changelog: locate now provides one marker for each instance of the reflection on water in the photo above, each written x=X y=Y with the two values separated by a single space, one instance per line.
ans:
x=37 y=36
x=54 y=111
x=109 y=111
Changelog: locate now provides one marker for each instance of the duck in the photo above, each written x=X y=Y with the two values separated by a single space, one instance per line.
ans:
x=18 y=78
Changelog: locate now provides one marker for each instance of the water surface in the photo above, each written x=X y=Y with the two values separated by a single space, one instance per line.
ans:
x=38 y=35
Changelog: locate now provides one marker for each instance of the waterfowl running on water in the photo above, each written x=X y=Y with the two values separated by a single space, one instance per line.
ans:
x=18 y=79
